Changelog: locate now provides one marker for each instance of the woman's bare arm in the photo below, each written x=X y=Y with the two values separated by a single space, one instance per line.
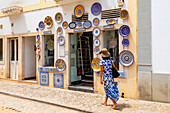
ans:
x=101 y=74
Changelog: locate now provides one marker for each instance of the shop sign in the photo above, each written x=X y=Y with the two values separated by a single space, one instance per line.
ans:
x=47 y=32
x=80 y=29
x=108 y=27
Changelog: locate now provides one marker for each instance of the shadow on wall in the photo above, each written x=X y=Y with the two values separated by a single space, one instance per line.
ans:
x=18 y=24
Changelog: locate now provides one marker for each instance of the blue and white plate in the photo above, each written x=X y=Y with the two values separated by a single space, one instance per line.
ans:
x=96 y=42
x=87 y=24
x=38 y=37
x=96 y=8
x=126 y=58
x=41 y=25
x=124 y=30
x=96 y=21
x=96 y=31
x=61 y=40
x=125 y=42
x=96 y=50
x=72 y=25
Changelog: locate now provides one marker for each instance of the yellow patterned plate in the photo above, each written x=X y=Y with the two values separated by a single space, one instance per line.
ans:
x=58 y=17
x=50 y=44
x=96 y=64
x=60 y=65
x=79 y=11
x=48 y=22
x=124 y=14
x=65 y=25
x=59 y=30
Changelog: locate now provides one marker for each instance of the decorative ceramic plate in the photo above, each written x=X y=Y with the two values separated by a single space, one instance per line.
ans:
x=65 y=25
x=61 y=40
x=41 y=25
x=48 y=22
x=38 y=42
x=96 y=50
x=96 y=21
x=60 y=65
x=79 y=24
x=126 y=58
x=87 y=24
x=38 y=48
x=79 y=11
x=72 y=25
x=96 y=31
x=120 y=2
x=37 y=29
x=95 y=64
x=124 y=30
x=50 y=44
x=123 y=14
x=96 y=42
x=111 y=21
x=125 y=42
x=38 y=56
x=59 y=30
x=38 y=37
x=96 y=8
x=58 y=17
x=112 y=42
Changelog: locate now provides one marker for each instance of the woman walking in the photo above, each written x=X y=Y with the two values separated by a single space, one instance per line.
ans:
x=107 y=79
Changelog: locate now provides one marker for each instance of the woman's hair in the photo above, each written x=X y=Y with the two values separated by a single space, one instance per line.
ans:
x=105 y=58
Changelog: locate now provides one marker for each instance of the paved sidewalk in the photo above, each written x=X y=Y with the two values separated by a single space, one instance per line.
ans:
x=87 y=102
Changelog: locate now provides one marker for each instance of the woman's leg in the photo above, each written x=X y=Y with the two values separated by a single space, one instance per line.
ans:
x=105 y=102
x=114 y=104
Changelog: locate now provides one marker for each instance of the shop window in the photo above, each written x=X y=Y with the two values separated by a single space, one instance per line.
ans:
x=49 y=50
x=1 y=49
x=111 y=42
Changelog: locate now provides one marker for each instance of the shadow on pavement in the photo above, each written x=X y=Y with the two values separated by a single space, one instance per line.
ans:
x=121 y=106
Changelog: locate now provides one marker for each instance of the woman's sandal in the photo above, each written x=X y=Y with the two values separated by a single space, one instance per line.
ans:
x=116 y=108
x=104 y=103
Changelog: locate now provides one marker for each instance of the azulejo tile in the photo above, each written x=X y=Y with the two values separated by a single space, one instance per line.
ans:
x=40 y=68
x=44 y=78
x=58 y=80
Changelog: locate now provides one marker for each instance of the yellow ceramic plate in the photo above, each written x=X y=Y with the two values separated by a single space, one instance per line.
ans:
x=124 y=14
x=96 y=64
x=79 y=11
x=50 y=44
x=65 y=25
x=48 y=22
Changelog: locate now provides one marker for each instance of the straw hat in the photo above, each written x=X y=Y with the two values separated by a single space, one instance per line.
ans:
x=104 y=53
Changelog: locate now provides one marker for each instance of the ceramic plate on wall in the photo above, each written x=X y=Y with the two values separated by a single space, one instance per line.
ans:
x=59 y=30
x=48 y=22
x=120 y=2
x=79 y=11
x=96 y=31
x=96 y=8
x=65 y=25
x=96 y=42
x=38 y=49
x=58 y=17
x=41 y=25
x=125 y=42
x=50 y=44
x=111 y=21
x=38 y=42
x=60 y=65
x=126 y=58
x=124 y=14
x=72 y=25
x=87 y=24
x=96 y=50
x=112 y=42
x=124 y=30
x=38 y=56
x=61 y=40
x=96 y=64
x=96 y=21
x=38 y=37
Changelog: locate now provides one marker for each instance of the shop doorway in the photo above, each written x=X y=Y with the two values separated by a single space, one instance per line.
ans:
x=13 y=58
x=29 y=58
x=81 y=56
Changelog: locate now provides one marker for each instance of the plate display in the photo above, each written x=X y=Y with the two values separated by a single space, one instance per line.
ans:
x=111 y=21
x=96 y=31
x=96 y=21
x=50 y=44
x=79 y=24
x=96 y=64
x=96 y=8
x=38 y=48
x=38 y=56
x=60 y=65
x=72 y=25
x=112 y=42
x=48 y=22
x=125 y=42
x=124 y=14
x=38 y=37
x=41 y=25
x=61 y=40
x=124 y=30
x=96 y=42
x=38 y=42
x=96 y=50
x=58 y=17
x=65 y=25
x=126 y=58
x=79 y=11
x=59 y=30
x=87 y=24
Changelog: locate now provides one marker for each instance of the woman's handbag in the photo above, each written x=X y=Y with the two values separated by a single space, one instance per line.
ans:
x=115 y=73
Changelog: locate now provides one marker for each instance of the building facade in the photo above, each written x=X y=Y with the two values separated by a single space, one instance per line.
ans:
x=58 y=56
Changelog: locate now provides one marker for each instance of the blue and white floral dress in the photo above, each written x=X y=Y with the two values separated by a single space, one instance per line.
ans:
x=110 y=87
